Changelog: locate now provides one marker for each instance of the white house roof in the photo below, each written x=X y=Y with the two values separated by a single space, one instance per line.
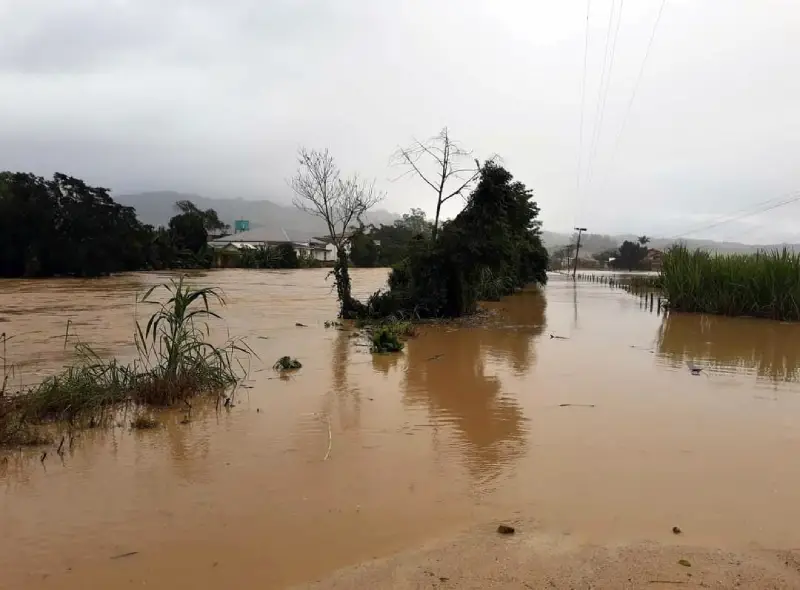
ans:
x=264 y=235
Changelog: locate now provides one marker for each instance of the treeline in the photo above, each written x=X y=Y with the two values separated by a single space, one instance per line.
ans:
x=64 y=227
x=490 y=249
x=387 y=245
x=627 y=256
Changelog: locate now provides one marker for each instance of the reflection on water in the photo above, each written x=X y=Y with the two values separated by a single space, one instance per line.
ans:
x=454 y=373
x=769 y=349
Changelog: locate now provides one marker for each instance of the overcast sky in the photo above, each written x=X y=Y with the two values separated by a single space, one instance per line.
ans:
x=215 y=97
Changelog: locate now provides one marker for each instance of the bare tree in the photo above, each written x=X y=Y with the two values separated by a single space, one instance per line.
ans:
x=443 y=165
x=320 y=191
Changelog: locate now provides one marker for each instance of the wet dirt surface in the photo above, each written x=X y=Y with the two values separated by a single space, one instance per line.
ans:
x=601 y=433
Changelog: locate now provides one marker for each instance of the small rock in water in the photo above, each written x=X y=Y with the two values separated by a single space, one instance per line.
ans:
x=677 y=530
x=504 y=529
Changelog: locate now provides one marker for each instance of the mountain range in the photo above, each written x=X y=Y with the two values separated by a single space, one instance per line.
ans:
x=594 y=243
x=156 y=208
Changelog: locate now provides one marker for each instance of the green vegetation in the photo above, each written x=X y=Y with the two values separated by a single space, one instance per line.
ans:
x=287 y=363
x=765 y=285
x=387 y=336
x=280 y=256
x=385 y=340
x=388 y=245
x=175 y=363
x=65 y=227
x=491 y=248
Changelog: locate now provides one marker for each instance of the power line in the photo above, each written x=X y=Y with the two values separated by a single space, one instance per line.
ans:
x=583 y=100
x=602 y=95
x=635 y=90
x=770 y=205
x=739 y=212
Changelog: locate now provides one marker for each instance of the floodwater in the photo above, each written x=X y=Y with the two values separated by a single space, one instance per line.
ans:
x=601 y=432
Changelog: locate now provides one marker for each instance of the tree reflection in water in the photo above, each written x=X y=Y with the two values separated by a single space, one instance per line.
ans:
x=457 y=374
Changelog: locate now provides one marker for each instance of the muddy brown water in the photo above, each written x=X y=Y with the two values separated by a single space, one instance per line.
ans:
x=468 y=425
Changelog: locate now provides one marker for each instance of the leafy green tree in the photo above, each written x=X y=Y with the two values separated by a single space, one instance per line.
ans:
x=604 y=256
x=416 y=222
x=494 y=243
x=188 y=232
x=211 y=221
x=65 y=227
x=363 y=250
x=286 y=256
x=630 y=256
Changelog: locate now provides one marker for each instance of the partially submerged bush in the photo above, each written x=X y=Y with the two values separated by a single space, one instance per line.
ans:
x=491 y=248
x=14 y=429
x=384 y=339
x=287 y=363
x=144 y=422
x=387 y=336
x=175 y=363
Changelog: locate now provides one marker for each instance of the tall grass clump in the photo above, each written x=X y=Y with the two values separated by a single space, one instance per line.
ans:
x=765 y=284
x=175 y=362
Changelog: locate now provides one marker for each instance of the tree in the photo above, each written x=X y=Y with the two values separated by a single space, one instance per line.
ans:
x=211 y=221
x=492 y=247
x=363 y=250
x=188 y=232
x=630 y=256
x=64 y=226
x=320 y=191
x=606 y=255
x=286 y=256
x=644 y=240
x=443 y=165
x=416 y=222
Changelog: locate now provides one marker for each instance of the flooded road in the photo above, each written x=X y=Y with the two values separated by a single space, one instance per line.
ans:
x=600 y=432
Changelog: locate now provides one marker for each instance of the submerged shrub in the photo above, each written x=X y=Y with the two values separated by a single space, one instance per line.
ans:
x=386 y=336
x=385 y=340
x=287 y=363
x=143 y=422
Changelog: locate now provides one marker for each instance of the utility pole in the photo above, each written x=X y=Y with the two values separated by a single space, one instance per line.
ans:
x=580 y=230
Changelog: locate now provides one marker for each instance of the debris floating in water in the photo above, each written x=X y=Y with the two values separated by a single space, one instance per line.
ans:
x=128 y=554
x=677 y=530
x=504 y=529
x=694 y=369
x=575 y=405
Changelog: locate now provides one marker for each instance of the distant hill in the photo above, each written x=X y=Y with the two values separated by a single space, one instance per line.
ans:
x=156 y=208
x=593 y=243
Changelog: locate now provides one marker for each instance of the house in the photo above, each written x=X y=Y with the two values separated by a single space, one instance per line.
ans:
x=653 y=258
x=305 y=246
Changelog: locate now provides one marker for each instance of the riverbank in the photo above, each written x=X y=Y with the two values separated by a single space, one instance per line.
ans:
x=480 y=558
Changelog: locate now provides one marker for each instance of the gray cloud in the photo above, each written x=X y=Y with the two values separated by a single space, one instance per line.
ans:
x=215 y=97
